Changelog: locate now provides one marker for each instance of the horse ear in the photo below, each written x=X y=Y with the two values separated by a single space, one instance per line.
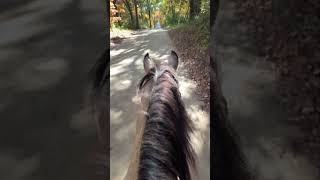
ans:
x=174 y=60
x=147 y=63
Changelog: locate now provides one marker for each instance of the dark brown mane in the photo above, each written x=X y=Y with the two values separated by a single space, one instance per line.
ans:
x=161 y=134
x=166 y=151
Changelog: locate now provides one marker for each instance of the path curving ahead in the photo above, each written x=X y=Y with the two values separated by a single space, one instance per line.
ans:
x=125 y=71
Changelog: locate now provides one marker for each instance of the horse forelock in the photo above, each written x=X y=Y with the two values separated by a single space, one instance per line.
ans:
x=155 y=73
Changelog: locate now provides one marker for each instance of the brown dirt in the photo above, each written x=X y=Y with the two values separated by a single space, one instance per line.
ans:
x=117 y=40
x=195 y=58
x=291 y=41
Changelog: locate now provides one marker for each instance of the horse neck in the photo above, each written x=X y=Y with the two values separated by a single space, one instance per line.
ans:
x=165 y=151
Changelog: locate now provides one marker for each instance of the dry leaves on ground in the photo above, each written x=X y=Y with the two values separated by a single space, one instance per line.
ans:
x=195 y=58
x=290 y=39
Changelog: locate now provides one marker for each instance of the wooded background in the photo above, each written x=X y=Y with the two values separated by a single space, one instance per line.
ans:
x=142 y=14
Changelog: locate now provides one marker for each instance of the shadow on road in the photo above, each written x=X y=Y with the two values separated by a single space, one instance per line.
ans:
x=45 y=84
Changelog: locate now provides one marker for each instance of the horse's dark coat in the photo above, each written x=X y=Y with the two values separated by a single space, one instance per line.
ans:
x=227 y=160
x=166 y=152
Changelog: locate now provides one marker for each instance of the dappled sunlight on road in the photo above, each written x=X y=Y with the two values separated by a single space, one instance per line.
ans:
x=121 y=166
x=123 y=63
x=116 y=52
x=201 y=119
x=200 y=138
x=136 y=100
x=122 y=85
x=161 y=56
x=139 y=65
x=128 y=128
x=115 y=117
x=186 y=87
x=126 y=70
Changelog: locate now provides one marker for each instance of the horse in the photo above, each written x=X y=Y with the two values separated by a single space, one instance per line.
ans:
x=162 y=148
x=227 y=159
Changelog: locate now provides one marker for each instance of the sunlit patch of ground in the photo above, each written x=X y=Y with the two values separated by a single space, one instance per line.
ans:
x=122 y=132
x=115 y=116
x=186 y=87
x=123 y=85
x=116 y=52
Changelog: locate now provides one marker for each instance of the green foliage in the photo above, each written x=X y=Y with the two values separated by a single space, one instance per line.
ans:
x=203 y=28
x=170 y=14
x=201 y=24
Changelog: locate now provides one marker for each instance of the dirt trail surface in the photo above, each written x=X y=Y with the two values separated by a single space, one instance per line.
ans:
x=125 y=72
x=46 y=51
x=254 y=106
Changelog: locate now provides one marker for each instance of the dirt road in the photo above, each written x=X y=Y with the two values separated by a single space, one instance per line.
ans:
x=125 y=72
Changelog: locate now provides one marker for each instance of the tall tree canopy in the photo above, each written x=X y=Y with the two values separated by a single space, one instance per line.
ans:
x=137 y=14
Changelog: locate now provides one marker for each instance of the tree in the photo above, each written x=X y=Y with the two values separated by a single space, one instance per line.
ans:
x=128 y=6
x=149 y=12
x=136 y=11
x=116 y=9
x=172 y=6
x=179 y=11
x=114 y=13
x=195 y=7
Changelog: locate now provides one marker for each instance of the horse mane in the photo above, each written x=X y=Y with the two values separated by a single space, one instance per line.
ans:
x=166 y=152
x=228 y=161
x=99 y=75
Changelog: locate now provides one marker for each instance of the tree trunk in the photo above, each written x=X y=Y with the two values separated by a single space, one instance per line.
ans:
x=195 y=7
x=187 y=12
x=127 y=4
x=149 y=12
x=172 y=9
x=214 y=7
x=180 y=5
x=136 y=11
